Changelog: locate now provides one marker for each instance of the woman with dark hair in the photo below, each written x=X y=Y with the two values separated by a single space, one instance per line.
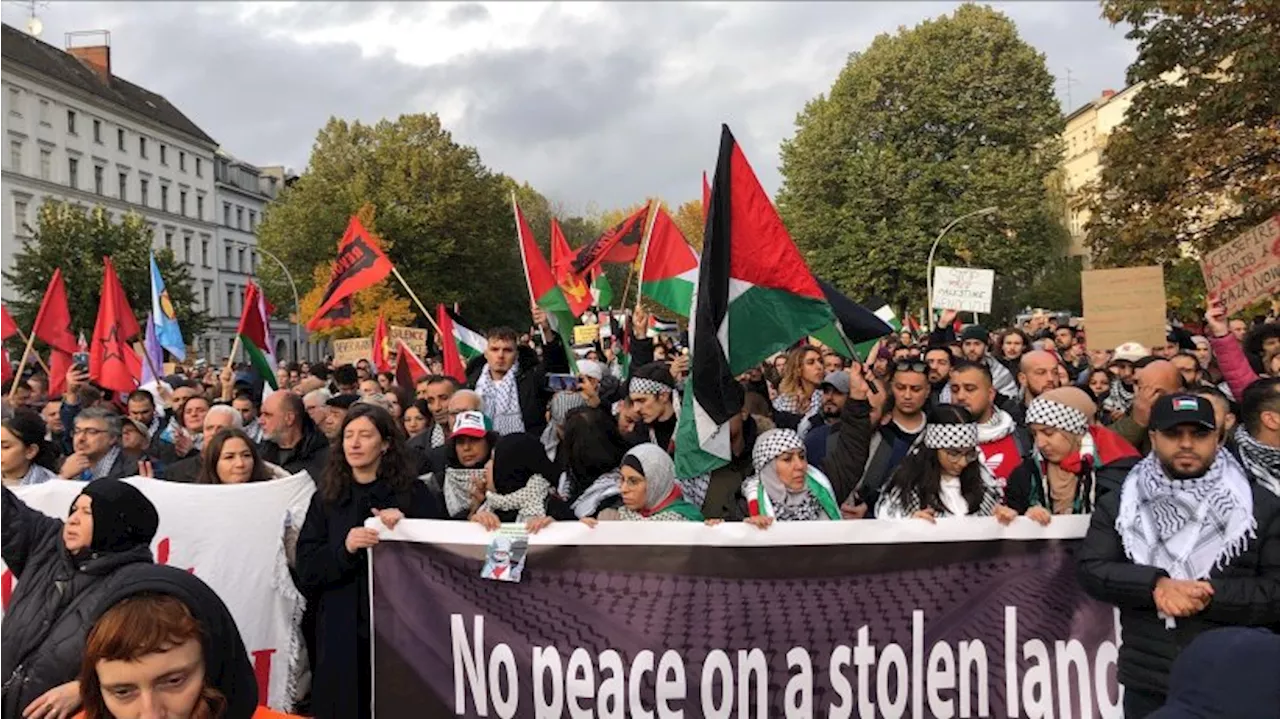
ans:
x=370 y=477
x=1011 y=344
x=590 y=455
x=518 y=486
x=231 y=458
x=25 y=457
x=416 y=418
x=942 y=475
x=404 y=399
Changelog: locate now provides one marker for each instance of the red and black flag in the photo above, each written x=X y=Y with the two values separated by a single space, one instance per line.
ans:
x=360 y=264
x=618 y=244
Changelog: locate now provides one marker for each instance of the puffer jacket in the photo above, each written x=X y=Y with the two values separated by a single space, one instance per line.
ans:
x=1246 y=592
x=53 y=605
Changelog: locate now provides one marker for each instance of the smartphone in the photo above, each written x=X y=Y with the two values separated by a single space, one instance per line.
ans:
x=81 y=361
x=562 y=383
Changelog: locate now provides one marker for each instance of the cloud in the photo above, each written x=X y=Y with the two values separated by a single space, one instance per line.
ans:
x=594 y=104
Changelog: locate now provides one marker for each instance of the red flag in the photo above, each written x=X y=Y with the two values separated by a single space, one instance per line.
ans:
x=360 y=264
x=409 y=367
x=6 y=368
x=381 y=346
x=620 y=243
x=575 y=289
x=53 y=327
x=453 y=364
x=8 y=327
x=537 y=273
x=706 y=195
x=113 y=364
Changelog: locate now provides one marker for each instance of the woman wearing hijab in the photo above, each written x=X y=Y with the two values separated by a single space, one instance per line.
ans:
x=649 y=490
x=64 y=570
x=518 y=488
x=25 y=457
x=164 y=644
x=943 y=475
x=557 y=411
x=785 y=487
x=370 y=477
x=1075 y=461
x=590 y=456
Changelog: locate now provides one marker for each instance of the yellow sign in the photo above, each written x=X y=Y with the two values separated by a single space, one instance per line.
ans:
x=585 y=334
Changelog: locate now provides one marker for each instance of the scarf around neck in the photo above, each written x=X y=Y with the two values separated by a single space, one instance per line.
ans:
x=529 y=501
x=502 y=400
x=457 y=487
x=1187 y=527
x=1000 y=425
x=1261 y=461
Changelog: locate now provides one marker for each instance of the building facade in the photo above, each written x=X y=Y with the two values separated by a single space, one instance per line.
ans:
x=1084 y=138
x=76 y=132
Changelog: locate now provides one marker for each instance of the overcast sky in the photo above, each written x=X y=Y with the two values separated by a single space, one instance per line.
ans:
x=596 y=105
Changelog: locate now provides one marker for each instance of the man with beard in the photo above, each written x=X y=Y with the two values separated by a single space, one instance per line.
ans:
x=974 y=341
x=1037 y=373
x=436 y=390
x=291 y=438
x=819 y=427
x=938 y=360
x=1186 y=546
x=1002 y=444
x=1120 y=399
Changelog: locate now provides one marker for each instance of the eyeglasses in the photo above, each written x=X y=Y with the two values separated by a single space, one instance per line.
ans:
x=87 y=432
x=967 y=455
x=916 y=366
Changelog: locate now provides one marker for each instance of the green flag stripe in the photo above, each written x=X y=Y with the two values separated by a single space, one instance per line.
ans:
x=260 y=361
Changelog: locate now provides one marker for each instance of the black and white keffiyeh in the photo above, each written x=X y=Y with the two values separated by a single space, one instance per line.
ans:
x=606 y=487
x=950 y=436
x=1187 y=527
x=502 y=400
x=437 y=435
x=773 y=443
x=1000 y=425
x=103 y=466
x=1118 y=398
x=529 y=501
x=1261 y=461
x=1057 y=415
x=644 y=385
x=789 y=403
x=457 y=488
x=898 y=504
x=695 y=490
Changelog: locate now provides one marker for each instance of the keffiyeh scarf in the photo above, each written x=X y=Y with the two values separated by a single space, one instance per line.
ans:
x=103 y=466
x=1187 y=527
x=1000 y=425
x=1118 y=398
x=437 y=435
x=896 y=503
x=529 y=501
x=1261 y=461
x=559 y=408
x=502 y=400
x=588 y=503
x=457 y=488
x=789 y=403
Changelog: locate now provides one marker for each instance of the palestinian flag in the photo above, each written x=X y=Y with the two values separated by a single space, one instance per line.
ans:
x=409 y=367
x=854 y=323
x=619 y=244
x=458 y=344
x=755 y=296
x=881 y=309
x=470 y=343
x=602 y=289
x=254 y=332
x=360 y=264
x=670 y=267
x=659 y=327
x=543 y=289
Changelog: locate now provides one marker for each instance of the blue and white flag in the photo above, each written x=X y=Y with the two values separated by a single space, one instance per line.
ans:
x=163 y=316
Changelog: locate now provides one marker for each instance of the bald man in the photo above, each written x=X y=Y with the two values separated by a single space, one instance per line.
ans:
x=1151 y=382
x=1037 y=373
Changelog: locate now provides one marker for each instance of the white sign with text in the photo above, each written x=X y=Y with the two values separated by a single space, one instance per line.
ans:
x=963 y=289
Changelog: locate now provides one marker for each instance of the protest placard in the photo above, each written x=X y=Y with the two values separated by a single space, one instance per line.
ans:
x=963 y=289
x=352 y=350
x=414 y=337
x=1124 y=305
x=585 y=334
x=1247 y=269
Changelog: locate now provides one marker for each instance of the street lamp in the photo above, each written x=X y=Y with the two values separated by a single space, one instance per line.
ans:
x=929 y=267
x=297 y=306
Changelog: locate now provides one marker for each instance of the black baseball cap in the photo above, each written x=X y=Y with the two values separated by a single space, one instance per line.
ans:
x=1172 y=410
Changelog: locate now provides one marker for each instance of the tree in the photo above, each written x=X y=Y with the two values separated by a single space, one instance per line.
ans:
x=688 y=217
x=937 y=121
x=444 y=219
x=365 y=307
x=75 y=239
x=1197 y=161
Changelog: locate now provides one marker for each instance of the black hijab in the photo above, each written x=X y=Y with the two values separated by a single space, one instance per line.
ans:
x=123 y=517
x=516 y=458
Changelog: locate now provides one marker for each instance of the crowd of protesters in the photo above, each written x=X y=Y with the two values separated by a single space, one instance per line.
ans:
x=1174 y=450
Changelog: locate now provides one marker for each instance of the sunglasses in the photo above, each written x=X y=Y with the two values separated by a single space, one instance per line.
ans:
x=912 y=366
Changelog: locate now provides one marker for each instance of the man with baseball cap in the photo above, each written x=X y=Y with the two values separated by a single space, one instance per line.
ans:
x=817 y=428
x=1187 y=545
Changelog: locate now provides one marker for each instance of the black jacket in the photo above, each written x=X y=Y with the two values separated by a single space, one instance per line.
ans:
x=53 y=605
x=340 y=583
x=531 y=381
x=1246 y=592
x=311 y=454
x=185 y=471
x=1025 y=487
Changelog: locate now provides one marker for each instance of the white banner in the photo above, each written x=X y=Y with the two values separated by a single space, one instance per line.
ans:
x=230 y=536
x=963 y=289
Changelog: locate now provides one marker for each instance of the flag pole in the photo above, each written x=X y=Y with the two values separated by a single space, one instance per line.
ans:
x=430 y=318
x=23 y=336
x=653 y=219
x=146 y=356
x=22 y=364
x=515 y=213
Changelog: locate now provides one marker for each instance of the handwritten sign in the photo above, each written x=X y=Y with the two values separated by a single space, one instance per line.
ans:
x=1247 y=269
x=1124 y=305
x=352 y=350
x=414 y=337
x=585 y=334
x=963 y=289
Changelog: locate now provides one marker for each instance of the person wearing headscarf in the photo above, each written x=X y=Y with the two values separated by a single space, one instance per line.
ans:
x=557 y=410
x=1075 y=461
x=943 y=475
x=518 y=488
x=169 y=638
x=785 y=487
x=589 y=458
x=26 y=458
x=64 y=570
x=649 y=490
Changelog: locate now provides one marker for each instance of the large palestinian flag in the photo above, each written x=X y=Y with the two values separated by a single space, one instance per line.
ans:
x=755 y=296
x=255 y=334
x=543 y=289
x=670 y=266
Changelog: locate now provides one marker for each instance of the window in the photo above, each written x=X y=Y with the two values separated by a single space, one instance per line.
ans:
x=98 y=173
x=227 y=265
x=226 y=214
x=97 y=131
x=199 y=207
x=15 y=101
x=163 y=159
x=20 y=212
x=44 y=113
x=71 y=122
x=239 y=217
x=199 y=168
x=186 y=254
x=182 y=161
x=182 y=202
x=142 y=147
x=240 y=260
x=120 y=139
x=231 y=301
x=123 y=179
x=253 y=261
x=204 y=253
x=164 y=198
x=15 y=155
x=73 y=170
x=46 y=164
x=168 y=240
x=142 y=191
x=205 y=307
x=253 y=219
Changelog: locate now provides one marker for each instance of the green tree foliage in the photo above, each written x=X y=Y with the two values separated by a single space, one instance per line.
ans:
x=1197 y=161
x=926 y=125
x=443 y=218
x=76 y=240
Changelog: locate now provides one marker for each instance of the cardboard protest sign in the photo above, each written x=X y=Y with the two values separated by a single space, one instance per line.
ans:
x=414 y=337
x=1124 y=305
x=585 y=334
x=963 y=289
x=1247 y=269
x=352 y=350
